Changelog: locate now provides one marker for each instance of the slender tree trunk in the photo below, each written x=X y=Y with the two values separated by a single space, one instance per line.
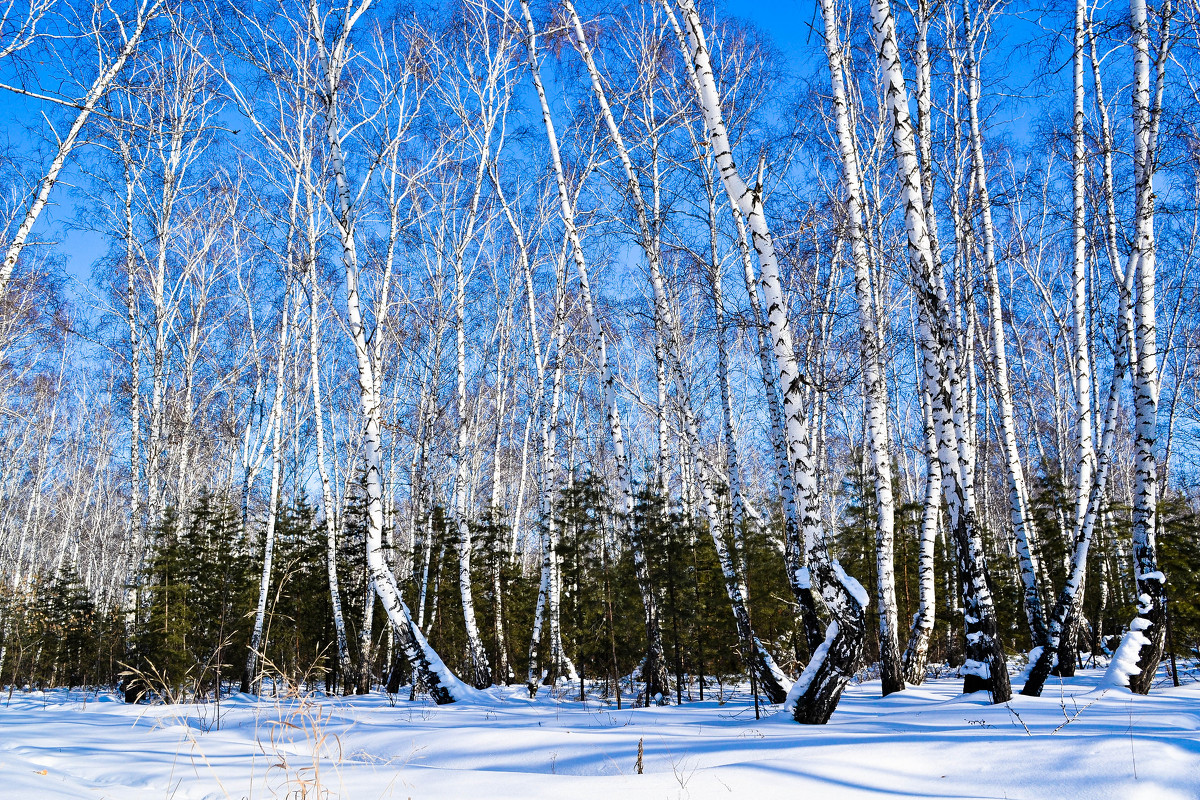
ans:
x=795 y=553
x=770 y=677
x=1022 y=521
x=132 y=32
x=250 y=676
x=985 y=667
x=546 y=604
x=654 y=667
x=1141 y=649
x=482 y=674
x=328 y=503
x=917 y=651
x=815 y=694
x=873 y=379
x=427 y=667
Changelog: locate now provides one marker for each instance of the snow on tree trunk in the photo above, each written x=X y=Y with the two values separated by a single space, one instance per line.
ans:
x=1140 y=651
x=985 y=666
x=813 y=698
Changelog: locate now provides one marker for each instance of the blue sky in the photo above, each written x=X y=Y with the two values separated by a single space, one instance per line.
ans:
x=789 y=23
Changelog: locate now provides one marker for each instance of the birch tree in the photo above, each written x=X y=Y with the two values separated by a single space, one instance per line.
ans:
x=654 y=669
x=815 y=694
x=330 y=31
x=112 y=54
x=1137 y=658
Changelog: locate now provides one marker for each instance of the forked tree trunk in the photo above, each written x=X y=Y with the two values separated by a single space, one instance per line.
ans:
x=814 y=696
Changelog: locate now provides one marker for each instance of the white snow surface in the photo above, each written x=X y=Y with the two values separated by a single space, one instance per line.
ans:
x=1083 y=741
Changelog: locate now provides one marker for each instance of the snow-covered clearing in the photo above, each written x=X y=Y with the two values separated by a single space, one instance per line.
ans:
x=1075 y=742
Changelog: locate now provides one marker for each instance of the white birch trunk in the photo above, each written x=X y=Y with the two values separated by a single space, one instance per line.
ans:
x=874 y=384
x=654 y=667
x=132 y=32
x=795 y=552
x=1021 y=520
x=1137 y=658
x=985 y=667
x=427 y=667
x=815 y=694
x=771 y=678
x=250 y=677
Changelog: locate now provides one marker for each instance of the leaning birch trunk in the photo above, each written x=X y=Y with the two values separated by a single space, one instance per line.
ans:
x=250 y=676
x=737 y=514
x=654 y=668
x=771 y=679
x=327 y=500
x=733 y=479
x=1141 y=648
x=1021 y=519
x=814 y=696
x=795 y=554
x=985 y=667
x=427 y=667
x=874 y=384
x=147 y=12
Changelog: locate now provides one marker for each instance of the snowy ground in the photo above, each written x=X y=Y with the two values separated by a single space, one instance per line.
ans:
x=1075 y=742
